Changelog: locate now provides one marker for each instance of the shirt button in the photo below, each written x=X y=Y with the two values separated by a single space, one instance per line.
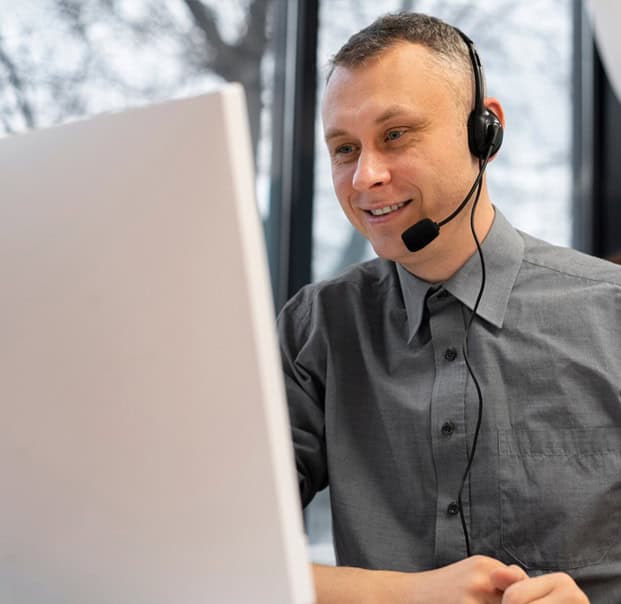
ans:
x=450 y=354
x=448 y=428
x=452 y=509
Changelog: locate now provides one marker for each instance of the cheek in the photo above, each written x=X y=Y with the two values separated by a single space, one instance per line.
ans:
x=342 y=181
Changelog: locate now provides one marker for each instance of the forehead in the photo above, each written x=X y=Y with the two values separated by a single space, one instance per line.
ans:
x=407 y=75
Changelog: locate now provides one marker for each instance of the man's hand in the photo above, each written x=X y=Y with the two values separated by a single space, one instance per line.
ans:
x=475 y=580
x=555 y=588
x=467 y=582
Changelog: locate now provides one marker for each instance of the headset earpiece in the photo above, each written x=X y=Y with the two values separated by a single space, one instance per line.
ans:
x=484 y=127
x=484 y=131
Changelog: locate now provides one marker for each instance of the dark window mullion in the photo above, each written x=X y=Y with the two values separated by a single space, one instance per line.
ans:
x=291 y=213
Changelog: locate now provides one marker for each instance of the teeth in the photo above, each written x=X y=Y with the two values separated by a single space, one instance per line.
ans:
x=387 y=209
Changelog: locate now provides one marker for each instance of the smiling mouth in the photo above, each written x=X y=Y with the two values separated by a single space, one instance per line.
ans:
x=388 y=209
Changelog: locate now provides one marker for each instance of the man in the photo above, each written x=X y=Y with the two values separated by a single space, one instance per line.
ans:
x=439 y=493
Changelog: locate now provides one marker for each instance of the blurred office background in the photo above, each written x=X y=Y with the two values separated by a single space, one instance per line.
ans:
x=556 y=176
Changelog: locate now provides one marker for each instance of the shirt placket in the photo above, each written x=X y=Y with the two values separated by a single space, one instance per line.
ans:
x=448 y=423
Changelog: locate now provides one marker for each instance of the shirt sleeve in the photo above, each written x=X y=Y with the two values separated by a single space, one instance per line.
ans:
x=303 y=354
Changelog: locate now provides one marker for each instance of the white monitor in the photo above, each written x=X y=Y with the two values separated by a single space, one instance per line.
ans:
x=145 y=452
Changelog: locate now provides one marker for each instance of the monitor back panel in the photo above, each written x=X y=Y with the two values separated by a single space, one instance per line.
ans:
x=144 y=443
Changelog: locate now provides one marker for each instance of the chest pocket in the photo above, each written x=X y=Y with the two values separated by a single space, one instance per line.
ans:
x=560 y=496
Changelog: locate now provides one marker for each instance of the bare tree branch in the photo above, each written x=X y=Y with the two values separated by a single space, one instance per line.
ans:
x=255 y=38
x=19 y=88
x=240 y=61
x=72 y=12
x=205 y=19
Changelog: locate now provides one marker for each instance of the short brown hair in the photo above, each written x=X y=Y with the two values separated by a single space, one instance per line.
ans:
x=392 y=28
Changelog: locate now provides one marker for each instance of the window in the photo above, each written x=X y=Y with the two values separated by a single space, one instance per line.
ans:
x=65 y=59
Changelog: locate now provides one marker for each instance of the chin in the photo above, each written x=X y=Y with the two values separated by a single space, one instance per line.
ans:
x=393 y=250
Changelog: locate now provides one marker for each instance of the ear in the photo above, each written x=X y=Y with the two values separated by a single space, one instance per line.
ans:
x=495 y=107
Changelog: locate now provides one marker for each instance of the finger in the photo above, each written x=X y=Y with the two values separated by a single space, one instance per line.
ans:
x=555 y=588
x=532 y=591
x=502 y=578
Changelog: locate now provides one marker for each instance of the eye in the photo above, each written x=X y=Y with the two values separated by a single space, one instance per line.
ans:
x=344 y=150
x=393 y=135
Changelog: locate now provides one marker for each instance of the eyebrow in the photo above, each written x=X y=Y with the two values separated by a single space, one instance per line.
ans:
x=390 y=112
x=333 y=133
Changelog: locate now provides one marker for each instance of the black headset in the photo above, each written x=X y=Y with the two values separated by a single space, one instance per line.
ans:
x=484 y=127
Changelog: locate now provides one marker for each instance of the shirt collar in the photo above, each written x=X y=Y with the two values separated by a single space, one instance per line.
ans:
x=414 y=294
x=503 y=251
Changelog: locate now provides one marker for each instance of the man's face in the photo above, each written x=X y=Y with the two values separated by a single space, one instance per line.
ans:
x=397 y=138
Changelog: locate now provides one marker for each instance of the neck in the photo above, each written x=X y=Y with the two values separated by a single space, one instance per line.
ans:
x=444 y=256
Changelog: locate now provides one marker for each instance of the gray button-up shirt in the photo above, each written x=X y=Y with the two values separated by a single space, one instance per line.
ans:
x=383 y=410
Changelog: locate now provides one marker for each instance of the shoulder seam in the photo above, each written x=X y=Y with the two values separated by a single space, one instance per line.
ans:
x=569 y=274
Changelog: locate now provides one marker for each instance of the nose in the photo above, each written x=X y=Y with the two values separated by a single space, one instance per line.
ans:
x=371 y=171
